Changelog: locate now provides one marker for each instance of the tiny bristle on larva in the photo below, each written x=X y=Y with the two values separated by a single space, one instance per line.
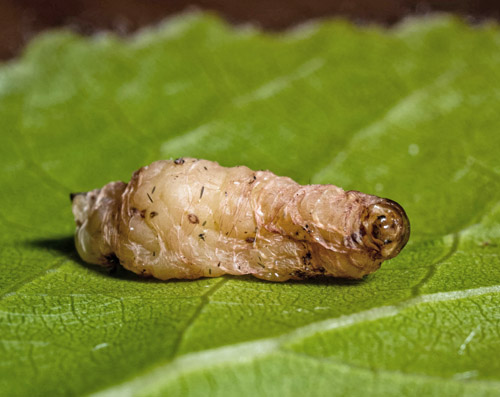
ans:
x=189 y=218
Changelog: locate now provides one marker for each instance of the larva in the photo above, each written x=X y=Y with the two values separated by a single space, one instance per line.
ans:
x=192 y=218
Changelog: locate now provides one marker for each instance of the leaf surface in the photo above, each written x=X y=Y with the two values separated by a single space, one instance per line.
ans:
x=410 y=114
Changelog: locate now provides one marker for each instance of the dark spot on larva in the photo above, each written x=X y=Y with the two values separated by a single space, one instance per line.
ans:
x=218 y=264
x=250 y=239
x=306 y=259
x=153 y=214
x=225 y=194
x=296 y=233
x=179 y=161
x=153 y=190
x=111 y=260
x=261 y=265
x=154 y=253
x=134 y=210
x=201 y=192
x=193 y=219
x=206 y=169
x=355 y=237
x=387 y=241
x=143 y=271
x=209 y=271
x=307 y=226
x=299 y=274
x=202 y=236
x=143 y=213
x=149 y=197
x=253 y=180
x=204 y=223
x=239 y=267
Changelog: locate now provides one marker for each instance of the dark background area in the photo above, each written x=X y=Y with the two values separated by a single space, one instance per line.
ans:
x=20 y=20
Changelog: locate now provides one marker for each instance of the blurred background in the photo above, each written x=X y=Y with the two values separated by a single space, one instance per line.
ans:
x=20 y=20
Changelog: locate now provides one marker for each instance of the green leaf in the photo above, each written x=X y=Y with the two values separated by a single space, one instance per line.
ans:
x=410 y=113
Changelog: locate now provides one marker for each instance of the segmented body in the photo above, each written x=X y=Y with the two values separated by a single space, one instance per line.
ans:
x=192 y=218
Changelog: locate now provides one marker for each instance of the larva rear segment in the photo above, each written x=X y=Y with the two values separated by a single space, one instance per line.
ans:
x=192 y=218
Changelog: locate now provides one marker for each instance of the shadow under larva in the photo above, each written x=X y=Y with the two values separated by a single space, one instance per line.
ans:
x=191 y=218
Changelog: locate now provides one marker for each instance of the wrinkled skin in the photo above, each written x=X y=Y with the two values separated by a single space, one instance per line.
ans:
x=192 y=218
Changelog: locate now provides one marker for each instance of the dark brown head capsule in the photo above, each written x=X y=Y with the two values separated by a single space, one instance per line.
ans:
x=386 y=228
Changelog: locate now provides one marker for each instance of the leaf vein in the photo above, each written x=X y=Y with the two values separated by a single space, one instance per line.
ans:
x=249 y=351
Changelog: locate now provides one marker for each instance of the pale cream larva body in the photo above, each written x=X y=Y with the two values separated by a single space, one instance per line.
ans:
x=190 y=218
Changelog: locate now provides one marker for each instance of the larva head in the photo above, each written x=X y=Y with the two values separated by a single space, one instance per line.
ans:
x=385 y=228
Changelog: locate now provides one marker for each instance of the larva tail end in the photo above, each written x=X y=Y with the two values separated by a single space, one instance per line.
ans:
x=95 y=214
x=73 y=195
x=80 y=207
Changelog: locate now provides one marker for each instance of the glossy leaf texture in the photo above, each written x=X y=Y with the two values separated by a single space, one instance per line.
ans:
x=410 y=113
